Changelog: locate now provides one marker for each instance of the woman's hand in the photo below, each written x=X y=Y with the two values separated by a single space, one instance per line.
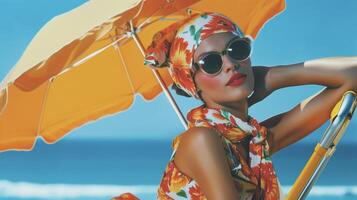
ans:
x=262 y=88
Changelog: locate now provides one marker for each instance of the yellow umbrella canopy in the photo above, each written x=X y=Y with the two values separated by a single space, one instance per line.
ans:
x=85 y=64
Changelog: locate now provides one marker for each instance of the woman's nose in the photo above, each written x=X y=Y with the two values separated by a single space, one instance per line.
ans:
x=228 y=64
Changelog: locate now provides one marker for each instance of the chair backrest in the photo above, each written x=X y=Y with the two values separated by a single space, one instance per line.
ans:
x=340 y=117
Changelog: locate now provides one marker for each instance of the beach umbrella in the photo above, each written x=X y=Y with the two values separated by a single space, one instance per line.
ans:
x=88 y=63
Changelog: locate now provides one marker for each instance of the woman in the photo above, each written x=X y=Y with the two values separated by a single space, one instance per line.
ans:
x=225 y=153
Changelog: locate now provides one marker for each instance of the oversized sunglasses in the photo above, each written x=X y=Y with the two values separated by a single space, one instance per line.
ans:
x=238 y=49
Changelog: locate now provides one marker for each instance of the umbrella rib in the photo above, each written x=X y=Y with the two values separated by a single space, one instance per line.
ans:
x=147 y=20
x=79 y=62
x=5 y=90
x=140 y=9
x=159 y=79
x=88 y=57
x=98 y=51
x=117 y=49
x=44 y=100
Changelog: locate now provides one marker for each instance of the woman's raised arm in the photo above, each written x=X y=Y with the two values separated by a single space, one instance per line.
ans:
x=331 y=72
x=337 y=74
x=200 y=155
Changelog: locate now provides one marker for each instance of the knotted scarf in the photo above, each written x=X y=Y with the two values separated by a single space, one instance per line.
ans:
x=259 y=168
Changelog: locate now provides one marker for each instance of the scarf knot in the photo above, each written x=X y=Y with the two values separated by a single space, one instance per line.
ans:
x=258 y=168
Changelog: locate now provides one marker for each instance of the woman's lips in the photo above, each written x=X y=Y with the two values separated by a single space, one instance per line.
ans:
x=237 y=79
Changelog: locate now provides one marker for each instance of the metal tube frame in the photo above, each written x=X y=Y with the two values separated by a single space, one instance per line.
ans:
x=328 y=139
x=172 y=101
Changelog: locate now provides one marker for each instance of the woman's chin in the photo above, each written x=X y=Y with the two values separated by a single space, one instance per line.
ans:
x=237 y=97
x=241 y=91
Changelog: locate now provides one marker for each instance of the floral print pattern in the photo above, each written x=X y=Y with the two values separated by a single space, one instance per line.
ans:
x=175 y=46
x=255 y=179
x=126 y=196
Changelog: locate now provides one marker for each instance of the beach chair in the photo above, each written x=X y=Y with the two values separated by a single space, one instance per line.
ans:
x=339 y=119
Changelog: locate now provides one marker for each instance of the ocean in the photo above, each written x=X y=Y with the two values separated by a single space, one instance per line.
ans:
x=101 y=169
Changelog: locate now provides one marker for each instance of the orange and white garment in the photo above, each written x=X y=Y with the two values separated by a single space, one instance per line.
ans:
x=255 y=179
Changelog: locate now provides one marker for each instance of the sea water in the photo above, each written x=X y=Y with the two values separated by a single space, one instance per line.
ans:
x=101 y=169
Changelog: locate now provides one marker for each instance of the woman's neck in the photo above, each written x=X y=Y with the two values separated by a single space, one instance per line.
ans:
x=238 y=109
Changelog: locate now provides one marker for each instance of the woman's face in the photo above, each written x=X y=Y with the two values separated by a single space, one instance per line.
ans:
x=215 y=88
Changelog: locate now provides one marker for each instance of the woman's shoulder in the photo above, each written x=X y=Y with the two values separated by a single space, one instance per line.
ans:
x=194 y=143
x=192 y=135
x=201 y=156
x=196 y=133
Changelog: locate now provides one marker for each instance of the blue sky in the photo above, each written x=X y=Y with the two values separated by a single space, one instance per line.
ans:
x=306 y=30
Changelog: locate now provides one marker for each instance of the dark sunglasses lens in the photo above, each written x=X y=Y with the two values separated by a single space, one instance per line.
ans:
x=239 y=50
x=212 y=63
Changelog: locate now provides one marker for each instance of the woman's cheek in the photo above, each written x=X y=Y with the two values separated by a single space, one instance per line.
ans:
x=210 y=83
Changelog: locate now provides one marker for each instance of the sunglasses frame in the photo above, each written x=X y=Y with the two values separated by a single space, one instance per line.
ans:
x=247 y=39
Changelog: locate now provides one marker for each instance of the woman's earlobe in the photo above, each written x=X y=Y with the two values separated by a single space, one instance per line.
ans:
x=249 y=38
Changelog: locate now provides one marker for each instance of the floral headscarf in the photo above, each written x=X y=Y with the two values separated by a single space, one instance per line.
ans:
x=175 y=46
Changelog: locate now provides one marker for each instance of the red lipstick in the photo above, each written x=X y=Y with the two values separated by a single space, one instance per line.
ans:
x=236 y=79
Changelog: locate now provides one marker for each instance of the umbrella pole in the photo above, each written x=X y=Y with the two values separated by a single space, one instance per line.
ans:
x=158 y=77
